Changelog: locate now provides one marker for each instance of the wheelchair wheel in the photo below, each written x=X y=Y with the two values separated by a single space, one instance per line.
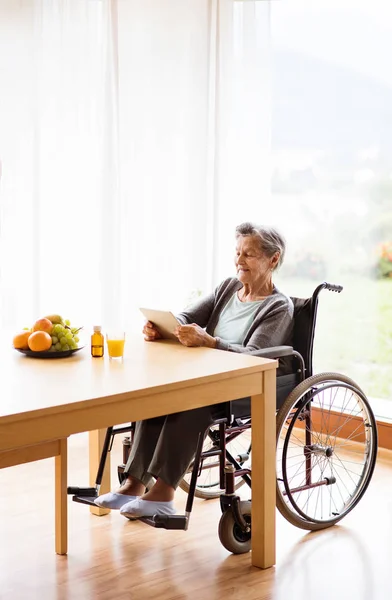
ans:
x=207 y=485
x=231 y=535
x=326 y=450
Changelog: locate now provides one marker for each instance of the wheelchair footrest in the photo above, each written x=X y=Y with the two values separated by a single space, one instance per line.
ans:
x=167 y=521
x=85 y=500
x=78 y=491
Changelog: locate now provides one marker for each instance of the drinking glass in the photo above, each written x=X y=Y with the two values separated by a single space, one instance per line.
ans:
x=115 y=341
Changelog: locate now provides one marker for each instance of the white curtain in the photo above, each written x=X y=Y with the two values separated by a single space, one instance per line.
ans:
x=134 y=136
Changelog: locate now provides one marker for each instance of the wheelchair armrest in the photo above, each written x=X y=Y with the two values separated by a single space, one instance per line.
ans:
x=274 y=352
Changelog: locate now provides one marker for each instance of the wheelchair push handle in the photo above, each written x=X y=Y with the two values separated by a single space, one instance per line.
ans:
x=333 y=287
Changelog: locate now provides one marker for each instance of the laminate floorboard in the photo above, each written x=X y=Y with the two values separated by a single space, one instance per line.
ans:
x=112 y=558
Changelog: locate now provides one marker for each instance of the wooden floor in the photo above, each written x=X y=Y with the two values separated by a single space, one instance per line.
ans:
x=112 y=558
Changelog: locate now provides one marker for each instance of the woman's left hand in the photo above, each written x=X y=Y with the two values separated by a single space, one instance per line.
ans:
x=193 y=335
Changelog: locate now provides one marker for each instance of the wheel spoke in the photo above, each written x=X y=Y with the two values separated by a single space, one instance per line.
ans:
x=337 y=470
x=207 y=484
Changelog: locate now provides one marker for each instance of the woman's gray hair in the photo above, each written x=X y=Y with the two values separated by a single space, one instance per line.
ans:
x=271 y=241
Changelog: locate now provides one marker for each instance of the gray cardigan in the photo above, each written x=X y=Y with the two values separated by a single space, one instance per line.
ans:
x=272 y=324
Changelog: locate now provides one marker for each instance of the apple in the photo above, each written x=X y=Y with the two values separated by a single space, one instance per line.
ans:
x=43 y=325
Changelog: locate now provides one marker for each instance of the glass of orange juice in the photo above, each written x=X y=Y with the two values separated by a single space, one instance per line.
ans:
x=115 y=341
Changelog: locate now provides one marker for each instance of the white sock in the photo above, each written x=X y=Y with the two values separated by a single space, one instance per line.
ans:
x=147 y=508
x=113 y=500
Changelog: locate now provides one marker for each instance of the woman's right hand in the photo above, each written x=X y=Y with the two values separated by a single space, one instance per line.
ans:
x=150 y=332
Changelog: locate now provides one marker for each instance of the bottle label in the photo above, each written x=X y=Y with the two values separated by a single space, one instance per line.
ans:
x=97 y=350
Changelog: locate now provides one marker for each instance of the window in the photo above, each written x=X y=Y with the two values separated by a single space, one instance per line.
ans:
x=332 y=176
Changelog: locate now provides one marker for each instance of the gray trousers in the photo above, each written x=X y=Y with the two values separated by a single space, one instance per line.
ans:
x=165 y=446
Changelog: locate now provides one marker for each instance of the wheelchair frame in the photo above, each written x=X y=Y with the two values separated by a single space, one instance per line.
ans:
x=235 y=524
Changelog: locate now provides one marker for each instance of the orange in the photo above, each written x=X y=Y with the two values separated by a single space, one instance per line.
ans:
x=20 y=340
x=43 y=325
x=40 y=341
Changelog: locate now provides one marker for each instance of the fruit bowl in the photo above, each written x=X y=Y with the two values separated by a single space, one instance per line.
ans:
x=49 y=337
x=48 y=353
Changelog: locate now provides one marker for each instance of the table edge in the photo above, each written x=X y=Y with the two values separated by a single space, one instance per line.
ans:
x=266 y=365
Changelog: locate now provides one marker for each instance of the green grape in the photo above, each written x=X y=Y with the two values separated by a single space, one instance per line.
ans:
x=76 y=338
x=54 y=339
x=67 y=322
x=69 y=335
x=58 y=346
x=72 y=344
x=52 y=349
x=66 y=347
x=63 y=340
x=57 y=328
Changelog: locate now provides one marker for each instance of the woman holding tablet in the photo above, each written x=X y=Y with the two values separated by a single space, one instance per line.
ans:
x=244 y=313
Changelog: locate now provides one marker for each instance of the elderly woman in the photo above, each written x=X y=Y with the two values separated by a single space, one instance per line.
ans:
x=244 y=314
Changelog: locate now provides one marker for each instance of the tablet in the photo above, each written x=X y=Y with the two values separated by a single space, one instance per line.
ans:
x=163 y=320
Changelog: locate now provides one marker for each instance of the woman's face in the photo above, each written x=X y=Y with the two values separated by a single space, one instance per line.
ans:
x=251 y=263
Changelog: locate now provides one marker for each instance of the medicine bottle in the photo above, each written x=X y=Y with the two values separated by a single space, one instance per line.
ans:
x=97 y=342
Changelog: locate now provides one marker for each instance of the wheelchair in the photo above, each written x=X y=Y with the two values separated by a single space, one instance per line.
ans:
x=326 y=446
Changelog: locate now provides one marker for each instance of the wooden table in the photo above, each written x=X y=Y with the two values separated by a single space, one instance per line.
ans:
x=42 y=402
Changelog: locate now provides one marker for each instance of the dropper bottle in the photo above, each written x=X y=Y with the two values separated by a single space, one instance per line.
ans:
x=97 y=342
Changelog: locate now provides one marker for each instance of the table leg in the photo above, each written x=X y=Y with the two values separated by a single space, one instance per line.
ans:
x=61 y=499
x=264 y=473
x=96 y=440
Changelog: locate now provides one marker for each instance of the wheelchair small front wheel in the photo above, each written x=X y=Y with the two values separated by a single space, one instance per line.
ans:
x=232 y=537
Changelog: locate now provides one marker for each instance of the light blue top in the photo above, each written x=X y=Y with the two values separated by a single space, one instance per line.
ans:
x=235 y=320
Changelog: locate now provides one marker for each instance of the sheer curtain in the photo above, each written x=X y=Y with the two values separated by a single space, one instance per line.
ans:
x=133 y=138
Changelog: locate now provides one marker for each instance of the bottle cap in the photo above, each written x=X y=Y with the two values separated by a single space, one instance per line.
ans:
x=97 y=328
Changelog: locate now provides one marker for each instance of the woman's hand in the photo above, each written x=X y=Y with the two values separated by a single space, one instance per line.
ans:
x=193 y=335
x=150 y=332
